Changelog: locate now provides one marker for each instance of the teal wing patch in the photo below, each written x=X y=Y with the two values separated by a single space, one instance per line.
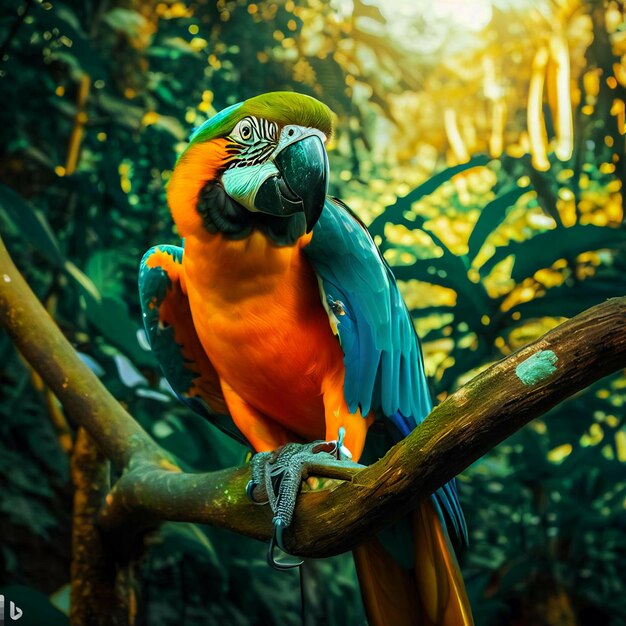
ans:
x=383 y=360
x=174 y=341
x=384 y=367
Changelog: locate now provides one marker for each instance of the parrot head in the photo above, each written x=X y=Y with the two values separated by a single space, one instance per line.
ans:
x=263 y=159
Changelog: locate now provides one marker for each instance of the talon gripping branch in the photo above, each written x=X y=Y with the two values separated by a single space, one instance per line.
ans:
x=281 y=323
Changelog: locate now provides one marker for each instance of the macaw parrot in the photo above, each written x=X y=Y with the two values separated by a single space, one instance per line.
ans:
x=280 y=321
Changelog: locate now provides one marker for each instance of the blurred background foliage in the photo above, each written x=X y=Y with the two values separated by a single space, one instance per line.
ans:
x=484 y=144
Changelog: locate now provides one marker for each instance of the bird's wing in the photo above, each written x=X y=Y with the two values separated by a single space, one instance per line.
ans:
x=174 y=341
x=382 y=357
x=384 y=366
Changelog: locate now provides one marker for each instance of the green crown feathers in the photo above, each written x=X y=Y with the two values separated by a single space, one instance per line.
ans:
x=282 y=107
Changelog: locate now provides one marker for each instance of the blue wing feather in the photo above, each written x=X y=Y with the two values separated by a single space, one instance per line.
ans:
x=378 y=327
x=382 y=357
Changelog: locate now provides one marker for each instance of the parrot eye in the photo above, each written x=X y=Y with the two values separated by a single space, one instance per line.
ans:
x=243 y=131
x=254 y=129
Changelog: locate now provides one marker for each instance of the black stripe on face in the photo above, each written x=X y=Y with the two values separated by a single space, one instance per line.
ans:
x=252 y=141
x=253 y=157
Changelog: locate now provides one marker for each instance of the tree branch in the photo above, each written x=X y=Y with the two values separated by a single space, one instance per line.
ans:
x=460 y=430
x=470 y=422
x=84 y=397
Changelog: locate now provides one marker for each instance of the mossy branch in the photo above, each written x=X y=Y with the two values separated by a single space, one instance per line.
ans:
x=465 y=426
x=79 y=390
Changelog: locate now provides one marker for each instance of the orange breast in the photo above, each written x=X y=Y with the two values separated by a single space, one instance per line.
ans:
x=259 y=316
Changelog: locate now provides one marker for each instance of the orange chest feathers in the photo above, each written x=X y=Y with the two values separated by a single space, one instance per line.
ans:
x=259 y=316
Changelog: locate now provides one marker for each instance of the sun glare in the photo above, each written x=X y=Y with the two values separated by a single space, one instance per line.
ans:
x=471 y=14
x=423 y=25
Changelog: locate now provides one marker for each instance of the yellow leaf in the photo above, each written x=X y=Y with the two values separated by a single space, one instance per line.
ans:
x=620 y=445
x=560 y=453
x=198 y=43
x=150 y=117
x=536 y=125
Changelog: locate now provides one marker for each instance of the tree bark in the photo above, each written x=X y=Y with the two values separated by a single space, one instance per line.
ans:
x=99 y=596
x=467 y=424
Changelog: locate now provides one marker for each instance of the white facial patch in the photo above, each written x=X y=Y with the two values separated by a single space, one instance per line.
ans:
x=242 y=183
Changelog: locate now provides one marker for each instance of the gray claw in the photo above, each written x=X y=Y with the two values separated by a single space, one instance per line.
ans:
x=286 y=562
x=250 y=487
x=257 y=484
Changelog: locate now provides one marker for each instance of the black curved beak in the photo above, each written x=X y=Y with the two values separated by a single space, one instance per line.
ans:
x=301 y=184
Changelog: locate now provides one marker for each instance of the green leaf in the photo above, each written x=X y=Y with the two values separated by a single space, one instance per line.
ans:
x=125 y=21
x=173 y=47
x=82 y=280
x=433 y=310
x=394 y=212
x=193 y=535
x=29 y=513
x=172 y=126
x=450 y=271
x=103 y=269
x=110 y=317
x=166 y=95
x=32 y=225
x=545 y=248
x=567 y=301
x=434 y=271
x=546 y=194
x=121 y=111
x=60 y=599
x=491 y=216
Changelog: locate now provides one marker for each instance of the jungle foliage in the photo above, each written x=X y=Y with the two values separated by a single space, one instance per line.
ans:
x=499 y=223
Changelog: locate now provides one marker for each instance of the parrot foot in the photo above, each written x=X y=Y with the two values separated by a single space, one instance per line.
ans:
x=276 y=479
